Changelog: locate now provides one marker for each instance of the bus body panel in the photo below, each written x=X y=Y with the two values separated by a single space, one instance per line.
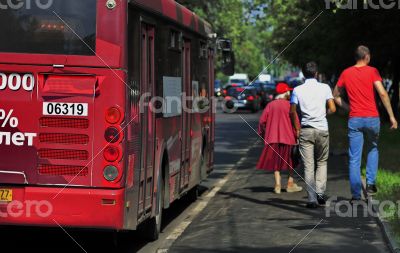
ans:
x=73 y=204
x=176 y=13
x=61 y=140
x=114 y=78
x=73 y=208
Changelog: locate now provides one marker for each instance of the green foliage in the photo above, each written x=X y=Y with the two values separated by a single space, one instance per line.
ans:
x=305 y=30
x=333 y=36
x=389 y=190
x=233 y=19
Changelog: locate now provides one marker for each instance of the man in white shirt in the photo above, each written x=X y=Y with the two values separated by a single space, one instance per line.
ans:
x=313 y=98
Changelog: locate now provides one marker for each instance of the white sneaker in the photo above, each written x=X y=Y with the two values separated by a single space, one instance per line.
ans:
x=294 y=188
x=278 y=189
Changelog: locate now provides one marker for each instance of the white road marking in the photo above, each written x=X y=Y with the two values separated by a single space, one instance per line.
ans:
x=199 y=207
x=162 y=251
x=230 y=150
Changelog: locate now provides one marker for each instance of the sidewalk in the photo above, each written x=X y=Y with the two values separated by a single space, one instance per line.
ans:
x=246 y=216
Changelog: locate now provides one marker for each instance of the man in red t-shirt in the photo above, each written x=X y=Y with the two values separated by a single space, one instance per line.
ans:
x=360 y=82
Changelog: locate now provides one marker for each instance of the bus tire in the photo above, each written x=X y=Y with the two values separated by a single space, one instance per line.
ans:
x=152 y=229
x=193 y=194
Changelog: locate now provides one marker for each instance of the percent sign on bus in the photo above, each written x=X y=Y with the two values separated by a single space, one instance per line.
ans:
x=7 y=118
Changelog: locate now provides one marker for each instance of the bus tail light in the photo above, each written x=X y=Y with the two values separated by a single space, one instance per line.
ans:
x=111 y=154
x=207 y=120
x=113 y=115
x=110 y=173
x=250 y=98
x=112 y=135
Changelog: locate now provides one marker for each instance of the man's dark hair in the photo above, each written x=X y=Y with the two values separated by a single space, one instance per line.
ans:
x=361 y=53
x=310 y=70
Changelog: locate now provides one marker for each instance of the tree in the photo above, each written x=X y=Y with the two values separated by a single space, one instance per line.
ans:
x=332 y=38
x=231 y=19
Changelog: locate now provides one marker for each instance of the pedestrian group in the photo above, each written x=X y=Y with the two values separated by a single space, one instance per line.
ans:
x=295 y=125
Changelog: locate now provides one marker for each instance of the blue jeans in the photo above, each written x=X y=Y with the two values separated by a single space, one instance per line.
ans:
x=361 y=129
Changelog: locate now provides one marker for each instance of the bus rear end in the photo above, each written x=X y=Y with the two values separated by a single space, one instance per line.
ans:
x=62 y=114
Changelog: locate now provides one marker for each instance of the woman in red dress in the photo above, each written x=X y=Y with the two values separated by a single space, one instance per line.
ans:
x=280 y=139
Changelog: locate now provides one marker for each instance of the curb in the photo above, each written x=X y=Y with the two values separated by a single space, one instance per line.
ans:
x=388 y=232
x=385 y=226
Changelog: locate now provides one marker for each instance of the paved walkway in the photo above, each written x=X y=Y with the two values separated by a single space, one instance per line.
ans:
x=246 y=216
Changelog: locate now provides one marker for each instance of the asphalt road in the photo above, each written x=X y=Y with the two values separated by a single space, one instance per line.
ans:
x=246 y=216
x=237 y=212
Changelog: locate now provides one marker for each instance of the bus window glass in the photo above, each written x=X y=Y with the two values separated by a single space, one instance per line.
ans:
x=49 y=27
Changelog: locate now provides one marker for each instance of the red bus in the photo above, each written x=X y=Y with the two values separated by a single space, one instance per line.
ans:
x=81 y=142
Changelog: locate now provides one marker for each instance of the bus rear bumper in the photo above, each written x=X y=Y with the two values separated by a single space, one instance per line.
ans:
x=69 y=207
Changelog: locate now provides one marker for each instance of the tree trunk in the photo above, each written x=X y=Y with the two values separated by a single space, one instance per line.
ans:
x=395 y=92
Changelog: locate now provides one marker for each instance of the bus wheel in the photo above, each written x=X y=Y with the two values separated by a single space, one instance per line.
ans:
x=152 y=228
x=203 y=162
x=193 y=194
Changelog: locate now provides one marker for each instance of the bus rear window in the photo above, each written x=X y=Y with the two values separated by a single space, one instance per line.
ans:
x=48 y=27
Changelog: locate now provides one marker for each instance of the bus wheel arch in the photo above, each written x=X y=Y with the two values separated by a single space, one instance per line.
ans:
x=204 y=145
x=165 y=176
x=153 y=227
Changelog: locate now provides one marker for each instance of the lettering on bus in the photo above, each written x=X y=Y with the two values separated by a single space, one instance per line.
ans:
x=7 y=119
x=17 y=81
x=17 y=139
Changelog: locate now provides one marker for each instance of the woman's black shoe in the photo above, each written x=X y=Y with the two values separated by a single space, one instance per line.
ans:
x=371 y=189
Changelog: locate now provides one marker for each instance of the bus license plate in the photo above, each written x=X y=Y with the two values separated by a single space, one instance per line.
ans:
x=65 y=109
x=6 y=195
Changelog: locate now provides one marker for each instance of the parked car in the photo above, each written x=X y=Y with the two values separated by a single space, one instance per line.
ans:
x=265 y=78
x=239 y=79
x=238 y=82
x=269 y=91
x=294 y=82
x=259 y=86
x=217 y=88
x=228 y=86
x=266 y=91
x=243 y=98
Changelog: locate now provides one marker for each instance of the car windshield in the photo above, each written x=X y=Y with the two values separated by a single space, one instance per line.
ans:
x=269 y=86
x=257 y=84
x=49 y=27
x=236 y=91
x=238 y=81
